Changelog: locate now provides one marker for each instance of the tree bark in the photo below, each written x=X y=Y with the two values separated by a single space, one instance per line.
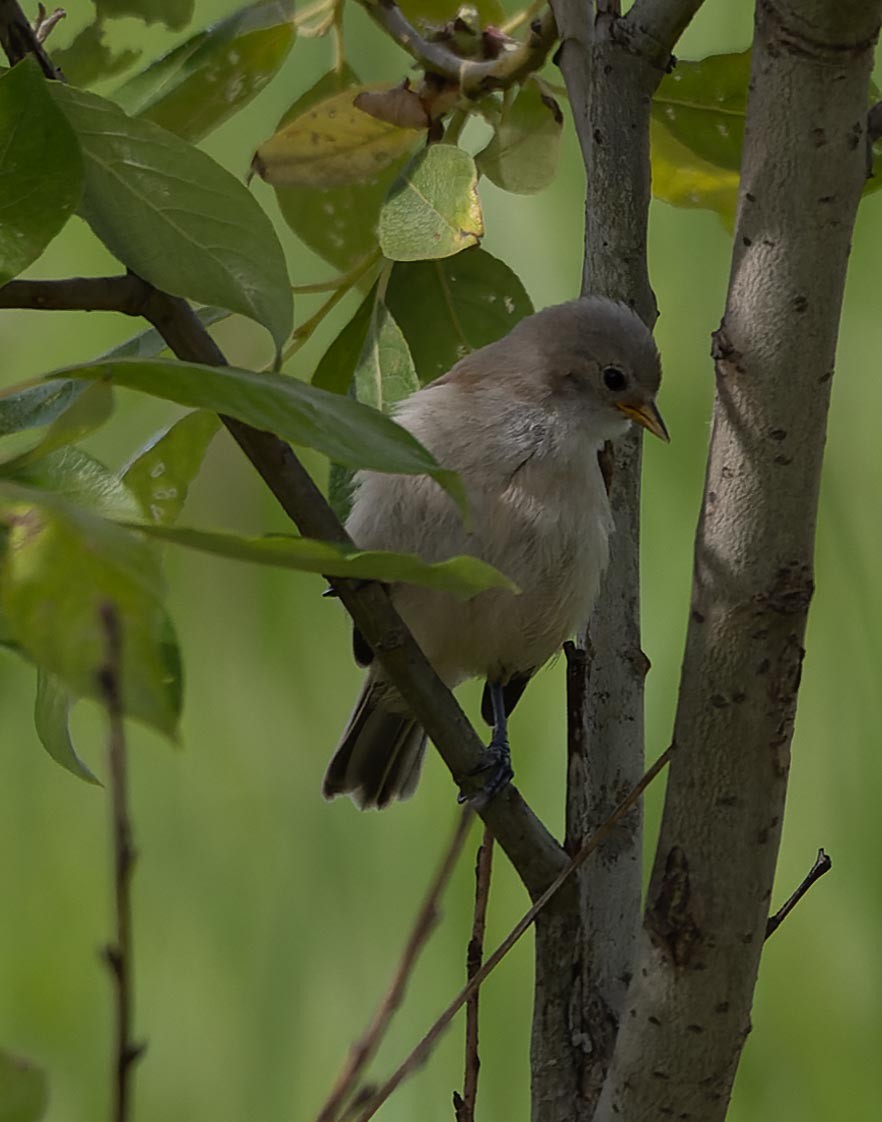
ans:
x=612 y=66
x=803 y=168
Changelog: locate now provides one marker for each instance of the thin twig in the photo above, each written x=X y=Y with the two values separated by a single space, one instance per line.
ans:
x=425 y=922
x=45 y=22
x=418 y=1055
x=465 y=1106
x=822 y=865
x=118 y=955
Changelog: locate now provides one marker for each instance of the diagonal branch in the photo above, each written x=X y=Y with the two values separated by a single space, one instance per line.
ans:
x=532 y=850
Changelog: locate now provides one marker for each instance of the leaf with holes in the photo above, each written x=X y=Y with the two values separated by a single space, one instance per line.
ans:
x=523 y=155
x=41 y=169
x=211 y=76
x=332 y=144
x=447 y=309
x=338 y=223
x=160 y=476
x=175 y=217
x=432 y=209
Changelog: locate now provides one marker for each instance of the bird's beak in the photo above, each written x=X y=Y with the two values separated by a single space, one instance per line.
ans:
x=648 y=416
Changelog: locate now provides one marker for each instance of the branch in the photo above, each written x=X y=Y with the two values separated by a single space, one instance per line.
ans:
x=18 y=38
x=420 y=1053
x=688 y=1006
x=119 y=955
x=822 y=865
x=426 y=920
x=474 y=78
x=127 y=294
x=532 y=850
x=465 y=1105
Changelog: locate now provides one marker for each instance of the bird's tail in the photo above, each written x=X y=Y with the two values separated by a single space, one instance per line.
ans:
x=379 y=755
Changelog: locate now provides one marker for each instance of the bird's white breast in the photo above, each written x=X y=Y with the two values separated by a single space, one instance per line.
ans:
x=540 y=514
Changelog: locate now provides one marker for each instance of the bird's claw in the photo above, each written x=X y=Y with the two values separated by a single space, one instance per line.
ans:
x=496 y=764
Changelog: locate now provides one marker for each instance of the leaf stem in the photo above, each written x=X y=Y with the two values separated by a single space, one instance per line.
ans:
x=305 y=330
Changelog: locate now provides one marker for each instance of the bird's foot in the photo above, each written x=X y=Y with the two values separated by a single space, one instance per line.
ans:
x=495 y=765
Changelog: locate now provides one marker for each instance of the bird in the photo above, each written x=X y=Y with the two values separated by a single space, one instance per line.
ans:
x=522 y=421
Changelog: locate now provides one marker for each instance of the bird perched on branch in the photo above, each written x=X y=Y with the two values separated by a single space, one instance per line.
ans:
x=522 y=421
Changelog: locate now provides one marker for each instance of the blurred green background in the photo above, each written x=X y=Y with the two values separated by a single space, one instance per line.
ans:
x=267 y=921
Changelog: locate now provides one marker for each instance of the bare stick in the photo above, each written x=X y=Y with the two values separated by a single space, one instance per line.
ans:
x=427 y=917
x=118 y=955
x=465 y=1105
x=822 y=865
x=419 y=1054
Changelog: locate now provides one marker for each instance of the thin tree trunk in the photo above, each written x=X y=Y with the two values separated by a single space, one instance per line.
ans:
x=803 y=168
x=584 y=962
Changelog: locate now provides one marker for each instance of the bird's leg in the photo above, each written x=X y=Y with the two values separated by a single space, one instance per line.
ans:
x=496 y=759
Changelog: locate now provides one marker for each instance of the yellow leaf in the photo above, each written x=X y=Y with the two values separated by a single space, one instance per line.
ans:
x=333 y=144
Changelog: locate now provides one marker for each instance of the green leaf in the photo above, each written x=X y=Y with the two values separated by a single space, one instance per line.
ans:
x=24 y=1092
x=89 y=59
x=149 y=344
x=432 y=209
x=428 y=12
x=683 y=179
x=41 y=170
x=38 y=405
x=63 y=565
x=207 y=79
x=51 y=720
x=86 y=412
x=71 y=473
x=336 y=368
x=385 y=372
x=372 y=355
x=161 y=475
x=175 y=217
x=523 y=155
x=333 y=144
x=338 y=223
x=447 y=309
x=462 y=576
x=344 y=430
x=697 y=132
x=175 y=14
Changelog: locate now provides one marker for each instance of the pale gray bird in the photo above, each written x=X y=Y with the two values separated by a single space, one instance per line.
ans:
x=522 y=421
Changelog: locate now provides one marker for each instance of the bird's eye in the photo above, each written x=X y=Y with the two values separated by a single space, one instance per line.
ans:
x=613 y=378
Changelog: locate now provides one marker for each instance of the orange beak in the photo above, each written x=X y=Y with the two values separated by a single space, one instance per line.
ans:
x=649 y=417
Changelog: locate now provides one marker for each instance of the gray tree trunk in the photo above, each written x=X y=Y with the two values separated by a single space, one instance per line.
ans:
x=692 y=967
